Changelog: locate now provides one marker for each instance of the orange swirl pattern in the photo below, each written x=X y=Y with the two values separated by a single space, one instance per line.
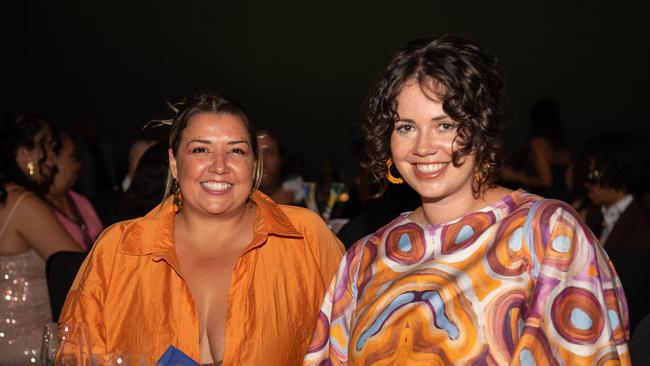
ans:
x=521 y=282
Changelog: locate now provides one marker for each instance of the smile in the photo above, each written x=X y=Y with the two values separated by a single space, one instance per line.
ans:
x=216 y=187
x=430 y=170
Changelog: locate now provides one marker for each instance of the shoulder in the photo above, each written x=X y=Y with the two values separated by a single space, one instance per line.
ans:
x=111 y=238
x=303 y=218
x=400 y=225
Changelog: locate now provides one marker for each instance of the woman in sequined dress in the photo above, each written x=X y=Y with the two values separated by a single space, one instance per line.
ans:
x=29 y=234
x=478 y=274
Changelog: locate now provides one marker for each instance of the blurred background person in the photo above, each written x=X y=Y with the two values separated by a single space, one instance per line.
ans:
x=97 y=178
x=615 y=181
x=546 y=169
x=147 y=185
x=272 y=184
x=614 y=171
x=137 y=149
x=219 y=270
x=73 y=210
x=29 y=234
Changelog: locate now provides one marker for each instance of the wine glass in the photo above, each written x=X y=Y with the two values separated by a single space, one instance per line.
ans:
x=49 y=344
x=74 y=345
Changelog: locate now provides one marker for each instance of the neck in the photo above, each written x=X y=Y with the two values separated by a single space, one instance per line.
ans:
x=58 y=200
x=203 y=230
x=458 y=205
x=615 y=198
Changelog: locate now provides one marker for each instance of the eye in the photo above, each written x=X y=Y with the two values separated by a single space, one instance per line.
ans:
x=198 y=150
x=447 y=126
x=238 y=151
x=404 y=127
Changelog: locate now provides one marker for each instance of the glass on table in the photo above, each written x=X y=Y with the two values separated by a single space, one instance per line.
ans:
x=65 y=344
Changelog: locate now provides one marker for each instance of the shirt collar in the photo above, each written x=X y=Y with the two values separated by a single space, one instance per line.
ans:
x=613 y=212
x=154 y=233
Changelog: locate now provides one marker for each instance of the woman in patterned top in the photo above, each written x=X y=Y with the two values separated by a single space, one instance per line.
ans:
x=478 y=274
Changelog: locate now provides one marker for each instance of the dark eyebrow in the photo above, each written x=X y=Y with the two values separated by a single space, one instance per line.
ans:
x=238 y=142
x=207 y=142
x=434 y=119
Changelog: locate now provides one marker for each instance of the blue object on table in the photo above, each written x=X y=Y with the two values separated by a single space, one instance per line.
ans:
x=175 y=357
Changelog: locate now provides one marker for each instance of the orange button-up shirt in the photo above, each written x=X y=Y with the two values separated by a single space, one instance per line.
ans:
x=130 y=294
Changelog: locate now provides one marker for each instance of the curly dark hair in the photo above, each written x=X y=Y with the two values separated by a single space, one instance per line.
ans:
x=18 y=130
x=211 y=102
x=465 y=79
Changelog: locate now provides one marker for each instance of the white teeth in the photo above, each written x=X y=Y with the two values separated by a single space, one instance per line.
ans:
x=429 y=168
x=216 y=186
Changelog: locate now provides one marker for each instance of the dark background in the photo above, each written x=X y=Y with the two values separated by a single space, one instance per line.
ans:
x=303 y=68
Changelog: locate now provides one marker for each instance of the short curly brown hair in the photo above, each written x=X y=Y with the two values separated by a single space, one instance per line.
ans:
x=465 y=79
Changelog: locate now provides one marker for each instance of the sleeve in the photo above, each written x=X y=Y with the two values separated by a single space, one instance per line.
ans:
x=82 y=311
x=326 y=248
x=332 y=333
x=577 y=313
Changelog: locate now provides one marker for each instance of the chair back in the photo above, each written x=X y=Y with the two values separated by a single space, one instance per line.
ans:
x=60 y=271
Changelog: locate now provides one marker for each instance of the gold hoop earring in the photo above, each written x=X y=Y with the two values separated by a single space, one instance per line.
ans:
x=178 y=197
x=390 y=176
x=30 y=168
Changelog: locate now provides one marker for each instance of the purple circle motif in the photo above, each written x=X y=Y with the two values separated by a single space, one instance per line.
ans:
x=577 y=316
x=405 y=244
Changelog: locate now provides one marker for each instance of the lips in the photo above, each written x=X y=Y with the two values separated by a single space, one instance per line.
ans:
x=429 y=170
x=216 y=187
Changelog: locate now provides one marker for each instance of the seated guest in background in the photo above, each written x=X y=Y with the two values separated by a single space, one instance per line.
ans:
x=147 y=185
x=616 y=174
x=218 y=271
x=136 y=151
x=74 y=211
x=29 y=234
x=616 y=179
x=272 y=178
x=477 y=274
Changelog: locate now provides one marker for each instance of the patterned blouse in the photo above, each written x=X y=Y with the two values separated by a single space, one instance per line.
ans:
x=520 y=282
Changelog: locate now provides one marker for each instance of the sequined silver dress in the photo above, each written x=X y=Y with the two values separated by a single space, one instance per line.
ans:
x=24 y=308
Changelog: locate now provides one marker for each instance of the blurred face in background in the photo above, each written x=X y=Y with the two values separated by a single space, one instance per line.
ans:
x=40 y=157
x=214 y=164
x=272 y=161
x=422 y=144
x=67 y=166
x=597 y=192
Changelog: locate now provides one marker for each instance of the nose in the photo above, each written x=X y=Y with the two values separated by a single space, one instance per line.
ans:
x=425 y=144
x=219 y=164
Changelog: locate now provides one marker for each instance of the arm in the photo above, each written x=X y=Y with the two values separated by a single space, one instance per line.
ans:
x=326 y=247
x=84 y=303
x=577 y=313
x=50 y=237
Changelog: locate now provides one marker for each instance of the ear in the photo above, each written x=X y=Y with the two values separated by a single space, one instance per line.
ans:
x=23 y=155
x=172 y=164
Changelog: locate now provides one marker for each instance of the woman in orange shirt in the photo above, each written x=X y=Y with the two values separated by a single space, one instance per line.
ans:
x=218 y=270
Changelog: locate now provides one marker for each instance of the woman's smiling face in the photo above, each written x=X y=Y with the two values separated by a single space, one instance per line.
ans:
x=422 y=145
x=214 y=164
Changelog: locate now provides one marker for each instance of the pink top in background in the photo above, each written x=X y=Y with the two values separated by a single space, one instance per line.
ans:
x=89 y=216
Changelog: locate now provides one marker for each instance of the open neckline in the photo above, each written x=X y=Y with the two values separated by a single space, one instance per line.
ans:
x=502 y=203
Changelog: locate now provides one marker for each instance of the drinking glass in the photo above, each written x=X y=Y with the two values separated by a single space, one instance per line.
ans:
x=49 y=344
